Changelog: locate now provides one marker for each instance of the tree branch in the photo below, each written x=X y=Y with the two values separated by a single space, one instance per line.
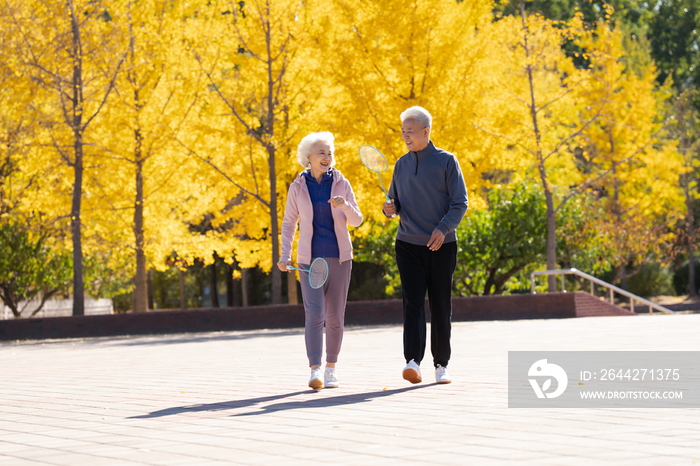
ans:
x=504 y=138
x=109 y=90
x=211 y=164
x=585 y=125
x=228 y=104
x=588 y=182
x=43 y=301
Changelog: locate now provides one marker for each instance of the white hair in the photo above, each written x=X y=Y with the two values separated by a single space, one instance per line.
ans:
x=306 y=146
x=419 y=115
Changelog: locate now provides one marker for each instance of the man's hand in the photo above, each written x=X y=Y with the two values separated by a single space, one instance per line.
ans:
x=436 y=240
x=389 y=208
x=282 y=266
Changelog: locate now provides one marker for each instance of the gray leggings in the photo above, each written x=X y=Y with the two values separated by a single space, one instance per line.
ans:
x=325 y=305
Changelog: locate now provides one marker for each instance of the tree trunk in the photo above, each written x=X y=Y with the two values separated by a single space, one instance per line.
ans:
x=549 y=196
x=274 y=227
x=489 y=282
x=183 y=300
x=150 y=290
x=276 y=272
x=77 y=123
x=551 y=239
x=685 y=181
x=213 y=285
x=617 y=210
x=244 y=287
x=692 y=289
x=141 y=278
x=78 y=285
x=292 y=296
x=230 y=287
x=10 y=300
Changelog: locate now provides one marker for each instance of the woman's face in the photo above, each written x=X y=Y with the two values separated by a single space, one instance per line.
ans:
x=320 y=158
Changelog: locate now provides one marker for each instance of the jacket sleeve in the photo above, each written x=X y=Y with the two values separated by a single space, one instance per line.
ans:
x=351 y=209
x=289 y=224
x=457 y=191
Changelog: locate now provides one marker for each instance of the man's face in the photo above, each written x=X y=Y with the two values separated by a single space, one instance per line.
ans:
x=414 y=135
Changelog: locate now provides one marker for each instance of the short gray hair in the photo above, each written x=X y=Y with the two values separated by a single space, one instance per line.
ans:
x=307 y=145
x=419 y=115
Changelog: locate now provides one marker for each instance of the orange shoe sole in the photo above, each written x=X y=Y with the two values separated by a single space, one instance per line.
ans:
x=412 y=376
x=316 y=384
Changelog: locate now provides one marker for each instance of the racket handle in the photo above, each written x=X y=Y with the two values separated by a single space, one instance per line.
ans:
x=289 y=267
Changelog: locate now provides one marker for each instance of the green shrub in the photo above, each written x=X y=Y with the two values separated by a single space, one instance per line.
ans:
x=680 y=279
x=652 y=280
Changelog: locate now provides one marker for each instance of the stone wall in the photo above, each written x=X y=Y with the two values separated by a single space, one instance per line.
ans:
x=523 y=306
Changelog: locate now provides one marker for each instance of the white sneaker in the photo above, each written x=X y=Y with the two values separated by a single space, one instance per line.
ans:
x=330 y=380
x=315 y=381
x=441 y=375
x=412 y=372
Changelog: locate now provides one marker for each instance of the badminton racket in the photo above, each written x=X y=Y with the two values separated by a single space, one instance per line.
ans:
x=318 y=272
x=375 y=161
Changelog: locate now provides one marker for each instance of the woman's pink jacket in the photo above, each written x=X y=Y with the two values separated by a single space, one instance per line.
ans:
x=299 y=209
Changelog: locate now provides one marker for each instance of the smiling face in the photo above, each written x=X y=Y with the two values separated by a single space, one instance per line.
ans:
x=414 y=135
x=320 y=159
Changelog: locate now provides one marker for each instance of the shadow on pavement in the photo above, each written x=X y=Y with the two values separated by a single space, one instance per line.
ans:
x=160 y=339
x=179 y=338
x=316 y=403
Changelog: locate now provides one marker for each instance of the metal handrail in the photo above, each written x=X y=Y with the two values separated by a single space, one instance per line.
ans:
x=600 y=282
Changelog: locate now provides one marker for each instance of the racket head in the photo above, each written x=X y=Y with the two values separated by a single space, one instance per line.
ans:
x=318 y=273
x=373 y=159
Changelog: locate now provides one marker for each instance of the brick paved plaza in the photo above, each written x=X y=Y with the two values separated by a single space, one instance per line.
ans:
x=241 y=398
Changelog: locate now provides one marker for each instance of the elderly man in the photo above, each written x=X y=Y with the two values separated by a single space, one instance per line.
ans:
x=430 y=197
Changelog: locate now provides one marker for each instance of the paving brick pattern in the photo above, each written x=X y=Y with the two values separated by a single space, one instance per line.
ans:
x=241 y=398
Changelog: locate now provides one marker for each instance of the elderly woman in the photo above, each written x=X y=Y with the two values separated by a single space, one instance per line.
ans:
x=321 y=200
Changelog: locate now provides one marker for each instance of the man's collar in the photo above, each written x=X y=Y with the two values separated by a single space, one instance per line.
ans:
x=427 y=150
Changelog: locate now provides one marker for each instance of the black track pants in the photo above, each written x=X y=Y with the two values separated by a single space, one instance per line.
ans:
x=424 y=270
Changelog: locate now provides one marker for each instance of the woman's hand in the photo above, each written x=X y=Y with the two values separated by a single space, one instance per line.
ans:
x=337 y=201
x=282 y=266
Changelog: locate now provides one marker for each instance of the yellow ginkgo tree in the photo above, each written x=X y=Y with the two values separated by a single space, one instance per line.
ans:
x=259 y=70
x=69 y=51
x=553 y=100
x=148 y=187
x=634 y=172
x=583 y=119
x=436 y=54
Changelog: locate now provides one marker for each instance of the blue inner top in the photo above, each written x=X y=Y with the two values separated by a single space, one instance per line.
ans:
x=324 y=242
